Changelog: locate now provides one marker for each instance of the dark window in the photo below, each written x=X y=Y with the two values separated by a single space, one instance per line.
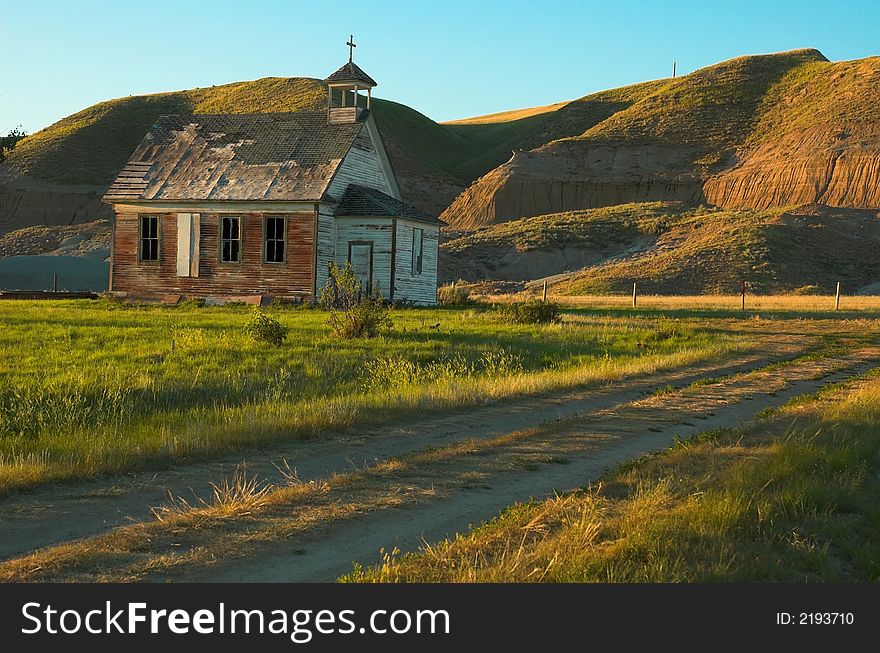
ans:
x=418 y=250
x=275 y=239
x=230 y=239
x=149 y=238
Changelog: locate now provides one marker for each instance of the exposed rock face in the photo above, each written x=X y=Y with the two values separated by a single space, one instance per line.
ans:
x=571 y=175
x=838 y=167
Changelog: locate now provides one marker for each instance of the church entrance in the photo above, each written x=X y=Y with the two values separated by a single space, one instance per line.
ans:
x=360 y=256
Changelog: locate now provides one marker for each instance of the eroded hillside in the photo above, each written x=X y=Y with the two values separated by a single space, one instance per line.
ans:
x=668 y=247
x=752 y=132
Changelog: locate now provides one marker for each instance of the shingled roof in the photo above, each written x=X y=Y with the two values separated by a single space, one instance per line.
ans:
x=266 y=156
x=351 y=72
x=360 y=201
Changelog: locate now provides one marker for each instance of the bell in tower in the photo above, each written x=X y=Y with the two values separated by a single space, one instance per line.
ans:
x=344 y=103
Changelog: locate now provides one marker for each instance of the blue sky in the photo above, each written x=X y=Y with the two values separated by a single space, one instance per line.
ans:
x=448 y=59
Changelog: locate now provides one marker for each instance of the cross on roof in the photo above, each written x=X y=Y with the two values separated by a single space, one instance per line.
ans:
x=351 y=47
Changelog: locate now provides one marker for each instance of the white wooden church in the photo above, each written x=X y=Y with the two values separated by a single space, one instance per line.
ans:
x=259 y=205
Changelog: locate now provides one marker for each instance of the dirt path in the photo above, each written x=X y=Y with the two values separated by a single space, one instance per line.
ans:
x=60 y=513
x=587 y=445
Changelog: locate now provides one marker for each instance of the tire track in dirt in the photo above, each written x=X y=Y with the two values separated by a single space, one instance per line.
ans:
x=590 y=445
x=49 y=516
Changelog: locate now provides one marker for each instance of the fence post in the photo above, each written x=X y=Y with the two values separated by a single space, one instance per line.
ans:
x=545 y=290
x=54 y=282
x=742 y=291
x=634 y=294
x=837 y=298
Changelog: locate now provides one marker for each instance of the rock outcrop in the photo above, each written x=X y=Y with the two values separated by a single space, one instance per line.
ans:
x=570 y=175
x=836 y=167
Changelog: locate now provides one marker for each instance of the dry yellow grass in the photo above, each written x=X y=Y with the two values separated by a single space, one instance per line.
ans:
x=507 y=116
x=799 y=303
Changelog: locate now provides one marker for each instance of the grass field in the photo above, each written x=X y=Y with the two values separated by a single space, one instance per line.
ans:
x=804 y=306
x=95 y=387
x=792 y=497
x=456 y=411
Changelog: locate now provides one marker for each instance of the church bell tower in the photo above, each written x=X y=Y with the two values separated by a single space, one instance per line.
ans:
x=344 y=103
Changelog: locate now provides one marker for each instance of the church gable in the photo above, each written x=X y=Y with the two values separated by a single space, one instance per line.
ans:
x=365 y=164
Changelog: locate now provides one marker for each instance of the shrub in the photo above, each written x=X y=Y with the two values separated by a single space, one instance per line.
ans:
x=264 y=328
x=453 y=295
x=531 y=312
x=353 y=312
x=807 y=290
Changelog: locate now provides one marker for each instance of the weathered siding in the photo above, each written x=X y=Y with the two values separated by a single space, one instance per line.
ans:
x=293 y=278
x=326 y=245
x=416 y=288
x=375 y=230
x=360 y=166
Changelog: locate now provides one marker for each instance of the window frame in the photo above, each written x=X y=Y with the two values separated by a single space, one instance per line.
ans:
x=158 y=238
x=240 y=239
x=265 y=243
x=417 y=262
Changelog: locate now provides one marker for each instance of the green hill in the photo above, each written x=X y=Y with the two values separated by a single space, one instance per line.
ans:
x=57 y=175
x=91 y=146
x=753 y=132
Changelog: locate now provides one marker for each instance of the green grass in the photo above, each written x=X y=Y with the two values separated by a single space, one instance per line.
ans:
x=793 y=497
x=95 y=387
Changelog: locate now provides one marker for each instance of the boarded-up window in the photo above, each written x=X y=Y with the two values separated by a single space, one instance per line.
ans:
x=149 y=238
x=274 y=246
x=418 y=250
x=188 y=236
x=230 y=239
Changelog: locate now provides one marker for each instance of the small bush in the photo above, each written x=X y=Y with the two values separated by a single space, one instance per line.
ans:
x=453 y=295
x=353 y=312
x=263 y=328
x=531 y=312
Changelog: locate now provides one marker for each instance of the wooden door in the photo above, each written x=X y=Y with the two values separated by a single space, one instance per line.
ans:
x=360 y=256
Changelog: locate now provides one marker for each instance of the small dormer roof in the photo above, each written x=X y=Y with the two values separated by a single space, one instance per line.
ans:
x=351 y=73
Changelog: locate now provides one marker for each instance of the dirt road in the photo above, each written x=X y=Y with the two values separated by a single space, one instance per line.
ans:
x=588 y=445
